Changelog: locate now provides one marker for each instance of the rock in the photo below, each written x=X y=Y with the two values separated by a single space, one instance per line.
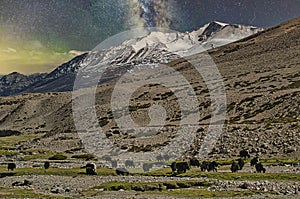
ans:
x=25 y=183
x=67 y=190
x=57 y=190
x=245 y=185
x=291 y=150
x=264 y=146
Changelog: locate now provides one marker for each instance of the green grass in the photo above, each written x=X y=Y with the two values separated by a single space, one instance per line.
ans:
x=223 y=162
x=84 y=156
x=195 y=172
x=185 y=193
x=57 y=171
x=22 y=193
x=279 y=161
x=7 y=153
x=12 y=141
x=185 y=189
x=151 y=186
x=33 y=154
x=58 y=157
x=202 y=193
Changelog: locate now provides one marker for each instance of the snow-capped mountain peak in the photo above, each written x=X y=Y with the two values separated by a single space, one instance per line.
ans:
x=153 y=49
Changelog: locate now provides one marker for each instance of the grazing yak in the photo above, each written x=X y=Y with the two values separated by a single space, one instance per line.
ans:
x=129 y=163
x=260 y=168
x=212 y=166
x=122 y=171
x=237 y=166
x=90 y=169
x=160 y=158
x=107 y=158
x=254 y=161
x=209 y=166
x=234 y=167
x=204 y=166
x=46 y=165
x=11 y=166
x=147 y=167
x=194 y=162
x=181 y=167
x=241 y=163
x=244 y=154
x=114 y=164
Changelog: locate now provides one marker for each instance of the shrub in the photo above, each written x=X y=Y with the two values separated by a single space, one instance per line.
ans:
x=84 y=156
x=58 y=157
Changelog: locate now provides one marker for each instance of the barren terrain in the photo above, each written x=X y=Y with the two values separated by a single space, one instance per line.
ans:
x=261 y=75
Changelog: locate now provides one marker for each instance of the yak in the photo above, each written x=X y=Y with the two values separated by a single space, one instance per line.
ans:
x=260 y=168
x=90 y=169
x=194 y=162
x=209 y=166
x=147 y=167
x=122 y=171
x=47 y=165
x=234 y=167
x=244 y=154
x=181 y=167
x=241 y=163
x=11 y=166
x=254 y=161
x=129 y=163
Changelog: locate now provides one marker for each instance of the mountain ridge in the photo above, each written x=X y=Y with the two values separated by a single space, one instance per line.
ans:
x=156 y=47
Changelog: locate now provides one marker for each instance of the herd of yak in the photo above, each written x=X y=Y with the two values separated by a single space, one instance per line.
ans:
x=177 y=167
x=182 y=167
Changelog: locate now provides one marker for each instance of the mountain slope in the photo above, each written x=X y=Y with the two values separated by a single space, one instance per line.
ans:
x=261 y=75
x=156 y=47
x=16 y=82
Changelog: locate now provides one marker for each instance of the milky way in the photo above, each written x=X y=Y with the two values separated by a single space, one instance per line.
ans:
x=149 y=13
x=82 y=24
x=38 y=33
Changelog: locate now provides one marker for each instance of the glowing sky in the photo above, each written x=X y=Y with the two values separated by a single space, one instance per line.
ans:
x=36 y=35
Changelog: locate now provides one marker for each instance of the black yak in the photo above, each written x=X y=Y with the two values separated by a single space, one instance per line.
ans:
x=47 y=165
x=181 y=167
x=260 y=168
x=254 y=161
x=194 y=162
x=234 y=167
x=90 y=169
x=241 y=163
x=244 y=154
x=11 y=166
x=122 y=171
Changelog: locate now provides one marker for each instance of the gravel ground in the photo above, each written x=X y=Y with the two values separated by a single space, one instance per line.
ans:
x=72 y=186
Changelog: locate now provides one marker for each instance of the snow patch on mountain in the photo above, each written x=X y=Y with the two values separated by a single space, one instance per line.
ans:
x=151 y=50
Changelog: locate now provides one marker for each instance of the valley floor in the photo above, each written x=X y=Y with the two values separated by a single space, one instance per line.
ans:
x=278 y=182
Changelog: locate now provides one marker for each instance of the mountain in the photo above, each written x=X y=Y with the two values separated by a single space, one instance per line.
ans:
x=156 y=47
x=15 y=82
x=262 y=81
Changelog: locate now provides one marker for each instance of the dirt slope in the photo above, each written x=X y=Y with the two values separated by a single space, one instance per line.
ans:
x=262 y=81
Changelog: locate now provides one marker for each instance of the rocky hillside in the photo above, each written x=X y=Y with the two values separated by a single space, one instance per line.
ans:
x=262 y=80
x=155 y=47
x=16 y=82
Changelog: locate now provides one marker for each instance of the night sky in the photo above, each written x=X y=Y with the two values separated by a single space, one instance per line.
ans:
x=62 y=25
